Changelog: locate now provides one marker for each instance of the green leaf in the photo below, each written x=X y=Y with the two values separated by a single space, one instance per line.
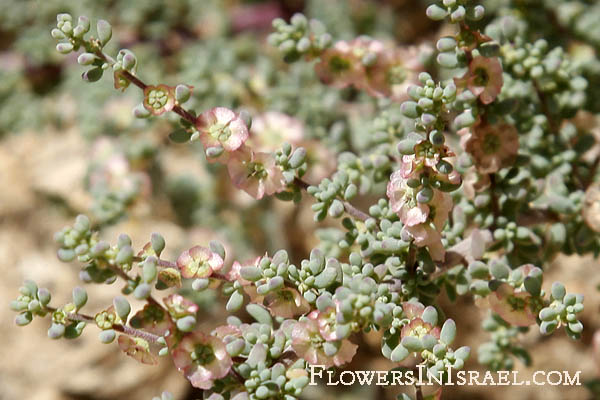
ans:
x=180 y=136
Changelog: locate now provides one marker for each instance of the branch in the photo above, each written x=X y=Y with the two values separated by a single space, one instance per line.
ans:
x=77 y=317
x=188 y=116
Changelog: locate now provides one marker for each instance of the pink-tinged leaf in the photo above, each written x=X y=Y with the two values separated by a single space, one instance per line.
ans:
x=138 y=349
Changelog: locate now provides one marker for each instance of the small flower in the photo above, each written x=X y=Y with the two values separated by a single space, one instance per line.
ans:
x=159 y=99
x=513 y=307
x=326 y=320
x=270 y=129
x=483 y=79
x=233 y=275
x=138 y=349
x=199 y=262
x=412 y=310
x=221 y=127
x=121 y=82
x=152 y=318
x=492 y=146
x=308 y=343
x=425 y=235
x=286 y=303
x=255 y=173
x=178 y=306
x=339 y=66
x=402 y=200
x=394 y=70
x=419 y=328
x=202 y=359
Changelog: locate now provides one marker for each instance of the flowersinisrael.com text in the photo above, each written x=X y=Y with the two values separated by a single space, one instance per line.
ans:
x=422 y=377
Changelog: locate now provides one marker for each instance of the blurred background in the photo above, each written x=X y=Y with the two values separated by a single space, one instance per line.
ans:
x=67 y=147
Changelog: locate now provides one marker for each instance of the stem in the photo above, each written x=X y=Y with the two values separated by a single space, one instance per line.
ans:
x=350 y=209
x=150 y=337
x=419 y=392
x=177 y=109
x=355 y=212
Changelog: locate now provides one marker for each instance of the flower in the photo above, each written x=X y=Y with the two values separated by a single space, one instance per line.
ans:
x=417 y=217
x=233 y=275
x=326 y=321
x=221 y=127
x=417 y=327
x=120 y=81
x=255 y=173
x=402 y=200
x=492 y=146
x=308 y=344
x=202 y=359
x=159 y=99
x=272 y=128
x=286 y=303
x=339 y=66
x=511 y=306
x=152 y=318
x=394 y=70
x=138 y=349
x=425 y=235
x=199 y=262
x=483 y=79
x=178 y=306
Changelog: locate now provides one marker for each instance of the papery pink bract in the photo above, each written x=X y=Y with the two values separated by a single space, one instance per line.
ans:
x=255 y=173
x=483 y=79
x=199 y=262
x=339 y=66
x=202 y=359
x=138 y=349
x=221 y=126
x=286 y=303
x=307 y=343
x=512 y=306
x=178 y=306
x=492 y=146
